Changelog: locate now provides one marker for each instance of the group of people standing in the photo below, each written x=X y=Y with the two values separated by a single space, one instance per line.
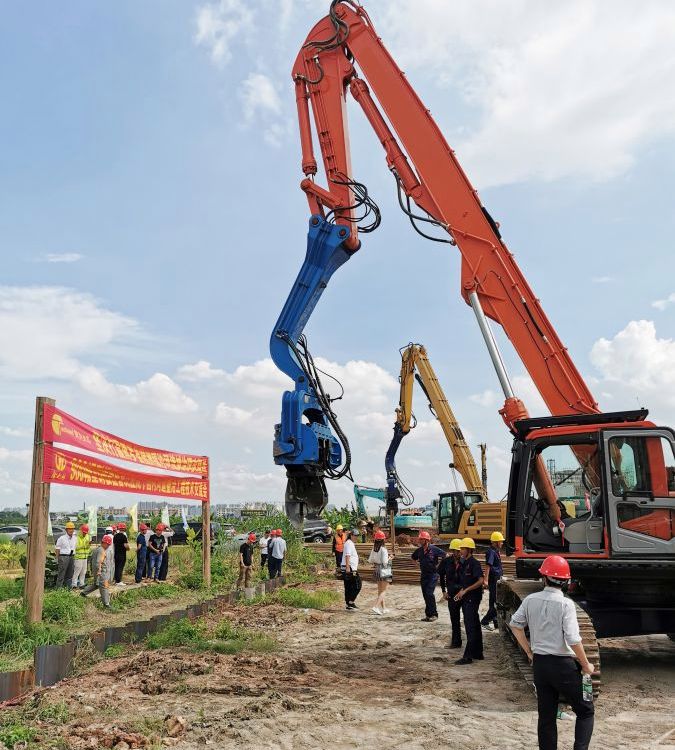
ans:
x=273 y=548
x=73 y=552
x=462 y=582
x=347 y=566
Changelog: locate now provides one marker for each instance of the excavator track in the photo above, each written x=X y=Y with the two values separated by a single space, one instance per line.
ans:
x=510 y=594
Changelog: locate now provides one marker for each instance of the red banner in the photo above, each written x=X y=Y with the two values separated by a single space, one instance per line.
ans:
x=59 y=427
x=65 y=467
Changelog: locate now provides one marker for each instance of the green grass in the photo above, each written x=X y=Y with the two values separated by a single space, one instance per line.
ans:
x=10 y=588
x=306 y=599
x=63 y=607
x=19 y=640
x=112 y=652
x=134 y=597
x=16 y=724
x=225 y=638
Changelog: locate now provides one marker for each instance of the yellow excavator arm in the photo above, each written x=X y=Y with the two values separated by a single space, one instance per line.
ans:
x=415 y=364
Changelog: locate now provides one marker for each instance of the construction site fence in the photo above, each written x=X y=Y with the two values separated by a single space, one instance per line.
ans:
x=53 y=663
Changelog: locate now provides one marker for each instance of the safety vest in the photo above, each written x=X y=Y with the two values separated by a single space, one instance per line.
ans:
x=339 y=541
x=82 y=547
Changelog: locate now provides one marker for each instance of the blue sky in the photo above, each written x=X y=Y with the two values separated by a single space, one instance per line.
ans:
x=150 y=220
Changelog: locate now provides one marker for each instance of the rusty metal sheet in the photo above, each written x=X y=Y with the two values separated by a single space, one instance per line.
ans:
x=14 y=684
x=113 y=635
x=98 y=640
x=53 y=663
x=140 y=629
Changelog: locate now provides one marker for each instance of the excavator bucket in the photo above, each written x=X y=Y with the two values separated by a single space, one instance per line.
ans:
x=306 y=497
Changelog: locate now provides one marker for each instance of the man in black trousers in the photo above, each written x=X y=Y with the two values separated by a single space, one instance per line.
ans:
x=561 y=668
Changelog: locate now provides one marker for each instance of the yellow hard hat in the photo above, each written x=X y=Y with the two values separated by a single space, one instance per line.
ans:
x=467 y=542
x=70 y=525
x=339 y=527
x=455 y=544
x=496 y=536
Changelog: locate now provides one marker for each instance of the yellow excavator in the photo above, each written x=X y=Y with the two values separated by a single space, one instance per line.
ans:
x=461 y=513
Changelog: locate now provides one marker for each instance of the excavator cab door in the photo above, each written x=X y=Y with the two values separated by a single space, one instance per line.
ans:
x=640 y=470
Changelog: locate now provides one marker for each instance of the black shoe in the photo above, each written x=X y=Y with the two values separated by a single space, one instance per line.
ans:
x=480 y=658
x=455 y=645
x=351 y=605
x=464 y=661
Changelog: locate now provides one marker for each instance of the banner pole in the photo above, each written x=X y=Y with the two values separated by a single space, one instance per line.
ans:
x=206 y=539
x=38 y=519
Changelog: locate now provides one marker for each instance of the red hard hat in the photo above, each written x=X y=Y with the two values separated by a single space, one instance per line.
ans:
x=279 y=532
x=555 y=566
x=122 y=526
x=159 y=527
x=107 y=539
x=251 y=537
x=114 y=527
x=424 y=535
x=379 y=535
x=84 y=528
x=142 y=527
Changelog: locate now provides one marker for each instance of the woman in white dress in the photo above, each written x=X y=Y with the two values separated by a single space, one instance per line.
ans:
x=379 y=559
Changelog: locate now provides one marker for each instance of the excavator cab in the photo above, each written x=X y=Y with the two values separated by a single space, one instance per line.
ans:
x=452 y=506
x=622 y=466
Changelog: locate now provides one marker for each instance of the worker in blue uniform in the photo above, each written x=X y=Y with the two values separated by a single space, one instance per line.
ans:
x=450 y=571
x=493 y=572
x=469 y=595
x=428 y=556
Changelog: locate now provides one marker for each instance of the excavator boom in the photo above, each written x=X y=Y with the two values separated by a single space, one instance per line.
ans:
x=415 y=365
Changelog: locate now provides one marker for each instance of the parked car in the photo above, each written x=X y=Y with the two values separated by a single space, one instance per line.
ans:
x=180 y=534
x=22 y=538
x=8 y=533
x=316 y=530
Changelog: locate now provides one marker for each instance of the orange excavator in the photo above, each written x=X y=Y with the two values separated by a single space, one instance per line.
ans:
x=621 y=549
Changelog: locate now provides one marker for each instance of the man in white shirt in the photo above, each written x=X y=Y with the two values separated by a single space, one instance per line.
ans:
x=277 y=554
x=557 y=655
x=350 y=569
x=65 y=556
x=262 y=546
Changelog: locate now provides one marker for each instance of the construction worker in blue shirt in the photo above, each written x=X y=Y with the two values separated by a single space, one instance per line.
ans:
x=429 y=557
x=493 y=572
x=469 y=595
x=450 y=571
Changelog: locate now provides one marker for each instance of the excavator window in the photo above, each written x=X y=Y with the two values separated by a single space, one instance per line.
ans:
x=642 y=474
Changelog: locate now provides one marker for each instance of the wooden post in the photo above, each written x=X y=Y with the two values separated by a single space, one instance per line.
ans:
x=38 y=514
x=206 y=542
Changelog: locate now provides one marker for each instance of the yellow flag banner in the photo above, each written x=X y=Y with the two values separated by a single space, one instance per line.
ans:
x=65 y=467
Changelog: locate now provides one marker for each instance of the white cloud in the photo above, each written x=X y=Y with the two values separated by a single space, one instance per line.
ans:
x=220 y=25
x=231 y=479
x=486 y=398
x=232 y=416
x=63 y=257
x=637 y=359
x=44 y=331
x=603 y=279
x=159 y=392
x=550 y=83
x=662 y=304
x=12 y=432
x=199 y=371
x=261 y=105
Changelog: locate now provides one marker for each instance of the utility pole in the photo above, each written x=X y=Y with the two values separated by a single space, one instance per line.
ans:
x=38 y=515
x=206 y=539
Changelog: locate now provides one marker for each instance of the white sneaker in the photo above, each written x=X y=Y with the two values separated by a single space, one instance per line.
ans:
x=121 y=583
x=489 y=627
x=386 y=611
x=377 y=611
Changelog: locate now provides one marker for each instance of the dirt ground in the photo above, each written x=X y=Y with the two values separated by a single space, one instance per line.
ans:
x=355 y=680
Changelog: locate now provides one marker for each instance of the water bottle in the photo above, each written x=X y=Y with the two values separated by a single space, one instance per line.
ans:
x=587 y=688
x=564 y=715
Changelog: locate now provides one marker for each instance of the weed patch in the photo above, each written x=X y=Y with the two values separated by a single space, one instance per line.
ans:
x=63 y=607
x=10 y=588
x=225 y=638
x=112 y=652
x=306 y=599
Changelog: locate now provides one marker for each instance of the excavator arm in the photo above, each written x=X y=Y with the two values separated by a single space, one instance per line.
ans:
x=341 y=56
x=415 y=365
